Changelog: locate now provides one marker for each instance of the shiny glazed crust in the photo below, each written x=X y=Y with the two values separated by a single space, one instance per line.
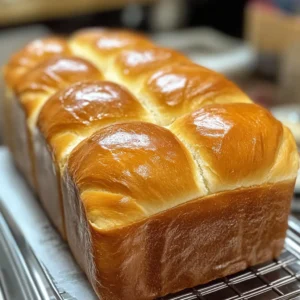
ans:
x=170 y=176
x=33 y=54
x=165 y=82
x=66 y=119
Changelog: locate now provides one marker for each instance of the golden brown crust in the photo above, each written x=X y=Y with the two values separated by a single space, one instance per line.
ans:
x=181 y=88
x=101 y=46
x=51 y=76
x=182 y=247
x=249 y=132
x=139 y=161
x=55 y=73
x=31 y=55
x=69 y=116
x=165 y=81
x=87 y=105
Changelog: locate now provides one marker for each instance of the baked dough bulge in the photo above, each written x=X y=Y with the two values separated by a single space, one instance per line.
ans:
x=131 y=170
x=32 y=55
x=238 y=145
x=146 y=167
x=49 y=77
x=80 y=109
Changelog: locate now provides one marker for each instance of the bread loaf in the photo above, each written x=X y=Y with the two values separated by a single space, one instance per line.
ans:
x=149 y=221
x=160 y=173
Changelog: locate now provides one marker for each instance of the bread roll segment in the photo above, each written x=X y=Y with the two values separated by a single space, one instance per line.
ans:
x=141 y=161
x=68 y=117
x=163 y=176
x=179 y=88
x=217 y=132
x=156 y=221
x=31 y=55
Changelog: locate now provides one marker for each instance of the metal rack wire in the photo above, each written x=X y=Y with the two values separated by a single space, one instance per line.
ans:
x=278 y=279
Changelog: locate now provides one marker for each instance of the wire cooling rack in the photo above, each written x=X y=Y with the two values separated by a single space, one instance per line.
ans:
x=278 y=279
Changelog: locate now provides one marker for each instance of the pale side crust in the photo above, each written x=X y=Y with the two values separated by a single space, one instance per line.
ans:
x=22 y=143
x=182 y=247
x=48 y=178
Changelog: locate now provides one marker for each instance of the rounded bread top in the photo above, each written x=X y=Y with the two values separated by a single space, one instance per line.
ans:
x=53 y=75
x=33 y=54
x=86 y=105
x=238 y=145
x=139 y=161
